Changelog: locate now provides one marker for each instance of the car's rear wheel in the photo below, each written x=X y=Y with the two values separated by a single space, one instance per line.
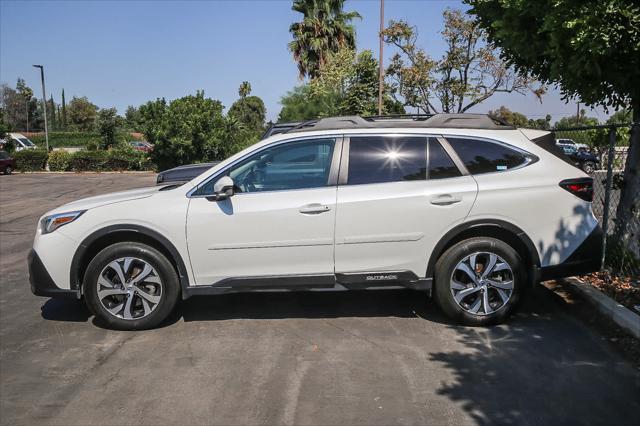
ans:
x=8 y=170
x=479 y=281
x=589 y=167
x=131 y=286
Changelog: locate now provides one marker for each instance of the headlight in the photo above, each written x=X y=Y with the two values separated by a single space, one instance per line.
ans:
x=55 y=221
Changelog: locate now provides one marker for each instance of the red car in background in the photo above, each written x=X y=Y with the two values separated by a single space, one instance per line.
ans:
x=7 y=163
x=141 y=146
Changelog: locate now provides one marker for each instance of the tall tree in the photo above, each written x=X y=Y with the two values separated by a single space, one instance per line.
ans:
x=64 y=112
x=469 y=72
x=51 y=112
x=27 y=93
x=82 y=113
x=591 y=50
x=244 y=90
x=107 y=124
x=514 y=118
x=324 y=29
x=347 y=84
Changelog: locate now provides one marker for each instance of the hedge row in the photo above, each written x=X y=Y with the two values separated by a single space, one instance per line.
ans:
x=71 y=139
x=83 y=161
x=76 y=139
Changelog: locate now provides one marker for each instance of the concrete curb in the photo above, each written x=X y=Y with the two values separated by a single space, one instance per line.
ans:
x=619 y=314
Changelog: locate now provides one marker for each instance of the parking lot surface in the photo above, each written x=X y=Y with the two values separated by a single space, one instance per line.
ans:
x=378 y=357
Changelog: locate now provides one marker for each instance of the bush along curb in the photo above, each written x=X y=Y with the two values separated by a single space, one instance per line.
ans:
x=616 y=312
x=116 y=159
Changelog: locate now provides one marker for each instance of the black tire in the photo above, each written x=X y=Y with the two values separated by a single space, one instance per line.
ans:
x=170 y=286
x=8 y=170
x=589 y=167
x=444 y=273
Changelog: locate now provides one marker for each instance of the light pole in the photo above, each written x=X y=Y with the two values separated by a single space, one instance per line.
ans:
x=381 y=71
x=44 y=106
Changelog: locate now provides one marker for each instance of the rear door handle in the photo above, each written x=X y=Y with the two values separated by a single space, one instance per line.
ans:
x=314 y=208
x=445 y=200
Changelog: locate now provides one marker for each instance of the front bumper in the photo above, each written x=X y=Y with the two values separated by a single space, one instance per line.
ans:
x=585 y=259
x=41 y=282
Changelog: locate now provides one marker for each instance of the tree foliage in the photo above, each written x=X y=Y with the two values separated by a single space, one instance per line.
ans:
x=468 y=73
x=107 y=124
x=186 y=130
x=299 y=104
x=249 y=111
x=81 y=113
x=591 y=49
x=324 y=29
x=346 y=84
x=21 y=107
x=514 y=118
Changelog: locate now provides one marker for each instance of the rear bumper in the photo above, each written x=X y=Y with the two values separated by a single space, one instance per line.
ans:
x=585 y=259
x=41 y=282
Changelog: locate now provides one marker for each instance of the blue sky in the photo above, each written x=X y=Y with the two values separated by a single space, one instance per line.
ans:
x=120 y=53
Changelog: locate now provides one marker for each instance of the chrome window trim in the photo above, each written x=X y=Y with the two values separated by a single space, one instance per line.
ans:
x=332 y=173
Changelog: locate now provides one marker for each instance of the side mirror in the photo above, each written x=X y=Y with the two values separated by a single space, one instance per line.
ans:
x=223 y=188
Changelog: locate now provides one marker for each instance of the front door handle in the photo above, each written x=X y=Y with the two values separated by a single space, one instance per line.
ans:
x=314 y=208
x=445 y=200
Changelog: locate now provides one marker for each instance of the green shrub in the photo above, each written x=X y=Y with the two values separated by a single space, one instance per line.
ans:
x=59 y=161
x=123 y=159
x=84 y=161
x=30 y=160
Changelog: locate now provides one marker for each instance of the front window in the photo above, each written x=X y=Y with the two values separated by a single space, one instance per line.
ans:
x=294 y=165
x=26 y=142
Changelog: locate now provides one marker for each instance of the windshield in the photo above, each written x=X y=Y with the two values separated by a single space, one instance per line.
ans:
x=26 y=142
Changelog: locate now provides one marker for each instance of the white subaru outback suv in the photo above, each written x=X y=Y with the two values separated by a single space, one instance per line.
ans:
x=460 y=205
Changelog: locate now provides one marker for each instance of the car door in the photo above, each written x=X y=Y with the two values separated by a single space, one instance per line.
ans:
x=280 y=222
x=397 y=196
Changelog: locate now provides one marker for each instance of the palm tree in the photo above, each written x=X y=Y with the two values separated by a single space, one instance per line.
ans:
x=245 y=89
x=324 y=29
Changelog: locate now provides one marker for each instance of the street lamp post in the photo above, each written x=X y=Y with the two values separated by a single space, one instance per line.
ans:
x=44 y=106
x=381 y=71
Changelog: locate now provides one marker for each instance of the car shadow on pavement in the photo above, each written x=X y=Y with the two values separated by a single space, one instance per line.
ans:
x=65 y=310
x=542 y=367
x=373 y=303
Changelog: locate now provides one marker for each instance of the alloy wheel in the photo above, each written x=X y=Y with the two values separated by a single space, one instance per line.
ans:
x=482 y=283
x=129 y=288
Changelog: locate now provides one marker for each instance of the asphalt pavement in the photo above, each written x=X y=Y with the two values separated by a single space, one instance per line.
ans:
x=377 y=357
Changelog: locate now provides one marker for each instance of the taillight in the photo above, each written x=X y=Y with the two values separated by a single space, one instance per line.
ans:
x=580 y=187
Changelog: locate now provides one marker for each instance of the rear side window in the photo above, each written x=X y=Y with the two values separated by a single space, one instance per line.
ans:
x=378 y=159
x=485 y=157
x=441 y=166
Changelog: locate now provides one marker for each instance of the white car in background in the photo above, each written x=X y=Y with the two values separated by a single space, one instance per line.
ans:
x=458 y=204
x=571 y=142
x=20 y=141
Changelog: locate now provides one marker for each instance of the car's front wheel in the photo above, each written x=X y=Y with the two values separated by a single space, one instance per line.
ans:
x=8 y=170
x=131 y=286
x=479 y=281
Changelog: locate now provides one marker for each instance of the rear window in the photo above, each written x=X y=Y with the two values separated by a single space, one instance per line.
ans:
x=548 y=143
x=480 y=156
x=379 y=159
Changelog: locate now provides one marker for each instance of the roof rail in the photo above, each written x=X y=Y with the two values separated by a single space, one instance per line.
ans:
x=451 y=121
